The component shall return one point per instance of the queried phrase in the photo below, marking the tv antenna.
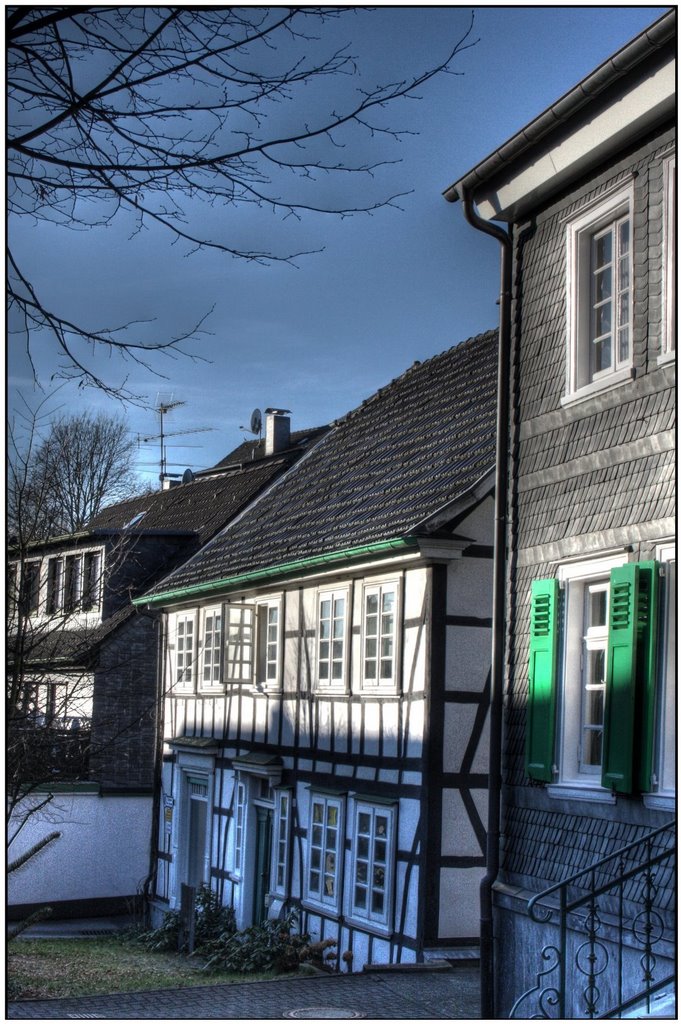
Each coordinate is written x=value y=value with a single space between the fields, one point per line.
x=164 y=405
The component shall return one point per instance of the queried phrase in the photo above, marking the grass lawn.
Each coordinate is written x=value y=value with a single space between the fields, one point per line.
x=53 y=968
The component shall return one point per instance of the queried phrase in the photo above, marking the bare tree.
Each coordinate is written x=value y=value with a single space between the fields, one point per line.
x=146 y=109
x=66 y=471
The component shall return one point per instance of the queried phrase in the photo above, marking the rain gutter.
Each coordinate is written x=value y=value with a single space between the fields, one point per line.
x=498 y=607
x=273 y=571
x=564 y=109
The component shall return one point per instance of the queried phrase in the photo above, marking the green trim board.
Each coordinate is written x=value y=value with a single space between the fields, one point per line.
x=274 y=571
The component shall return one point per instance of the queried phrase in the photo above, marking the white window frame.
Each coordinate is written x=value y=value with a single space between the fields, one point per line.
x=268 y=651
x=209 y=652
x=281 y=841
x=56 y=596
x=238 y=845
x=183 y=685
x=325 y=645
x=54 y=589
x=238 y=623
x=664 y=764
x=193 y=779
x=668 y=346
x=575 y=578
x=380 y=684
x=581 y=382
x=31 y=610
x=96 y=555
x=366 y=853
x=319 y=836
x=263 y=669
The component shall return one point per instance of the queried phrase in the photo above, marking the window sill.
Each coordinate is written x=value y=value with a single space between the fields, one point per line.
x=323 y=689
x=660 y=801
x=322 y=909
x=575 y=791
x=370 y=927
x=598 y=387
x=379 y=691
x=666 y=357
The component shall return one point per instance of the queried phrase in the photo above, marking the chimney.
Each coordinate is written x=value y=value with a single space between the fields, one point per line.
x=277 y=431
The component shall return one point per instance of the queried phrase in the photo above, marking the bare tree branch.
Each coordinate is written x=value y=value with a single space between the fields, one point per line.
x=149 y=110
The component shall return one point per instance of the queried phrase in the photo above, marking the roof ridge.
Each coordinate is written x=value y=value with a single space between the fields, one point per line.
x=417 y=365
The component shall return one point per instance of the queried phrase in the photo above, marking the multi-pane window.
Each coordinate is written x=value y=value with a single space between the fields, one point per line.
x=71 y=586
x=669 y=340
x=282 y=826
x=91 y=573
x=380 y=622
x=239 y=821
x=184 y=649
x=594 y=678
x=73 y=583
x=55 y=567
x=268 y=642
x=595 y=643
x=372 y=863
x=610 y=333
x=331 y=643
x=600 y=294
x=30 y=588
x=212 y=647
x=252 y=642
x=239 y=643
x=324 y=851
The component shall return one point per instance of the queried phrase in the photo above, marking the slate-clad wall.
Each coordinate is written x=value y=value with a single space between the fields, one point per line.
x=126 y=707
x=585 y=478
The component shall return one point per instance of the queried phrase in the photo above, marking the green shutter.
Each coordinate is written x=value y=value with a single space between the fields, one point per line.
x=646 y=667
x=543 y=670
x=630 y=677
x=620 y=680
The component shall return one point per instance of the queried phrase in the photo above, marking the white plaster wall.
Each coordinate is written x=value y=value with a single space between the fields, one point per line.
x=469 y=587
x=458 y=836
x=103 y=850
x=469 y=650
x=460 y=902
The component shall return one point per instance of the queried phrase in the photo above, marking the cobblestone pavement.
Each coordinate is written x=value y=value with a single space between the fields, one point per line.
x=395 y=995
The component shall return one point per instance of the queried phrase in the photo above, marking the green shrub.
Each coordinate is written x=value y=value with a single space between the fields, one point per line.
x=270 y=946
x=211 y=921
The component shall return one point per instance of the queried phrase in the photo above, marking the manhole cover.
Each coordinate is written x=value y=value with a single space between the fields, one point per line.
x=323 y=1013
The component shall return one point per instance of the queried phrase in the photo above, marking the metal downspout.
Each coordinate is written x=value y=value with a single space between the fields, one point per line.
x=149 y=884
x=487 y=974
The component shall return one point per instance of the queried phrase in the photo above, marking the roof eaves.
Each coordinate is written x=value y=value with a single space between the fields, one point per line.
x=642 y=46
x=277 y=571
x=483 y=485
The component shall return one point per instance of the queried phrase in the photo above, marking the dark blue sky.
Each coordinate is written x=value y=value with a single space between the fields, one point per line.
x=387 y=289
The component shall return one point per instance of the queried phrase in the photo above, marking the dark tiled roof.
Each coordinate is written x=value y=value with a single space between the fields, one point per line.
x=57 y=644
x=201 y=507
x=251 y=451
x=407 y=451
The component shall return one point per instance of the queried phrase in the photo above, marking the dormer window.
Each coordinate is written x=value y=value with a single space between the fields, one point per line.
x=73 y=583
x=135 y=520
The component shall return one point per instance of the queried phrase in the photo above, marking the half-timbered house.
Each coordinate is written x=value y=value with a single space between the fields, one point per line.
x=579 y=896
x=84 y=660
x=327 y=670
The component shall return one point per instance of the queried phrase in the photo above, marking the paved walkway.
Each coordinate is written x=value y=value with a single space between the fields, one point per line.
x=451 y=994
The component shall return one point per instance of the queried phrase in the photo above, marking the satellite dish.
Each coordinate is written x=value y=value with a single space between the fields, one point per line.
x=187 y=476
x=256 y=421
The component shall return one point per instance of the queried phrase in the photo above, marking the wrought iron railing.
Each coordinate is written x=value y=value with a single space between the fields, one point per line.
x=613 y=930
